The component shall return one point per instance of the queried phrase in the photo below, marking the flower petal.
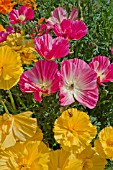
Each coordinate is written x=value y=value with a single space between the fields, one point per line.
x=78 y=82
x=51 y=48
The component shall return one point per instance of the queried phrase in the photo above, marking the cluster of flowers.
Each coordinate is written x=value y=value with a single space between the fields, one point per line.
x=22 y=146
x=76 y=80
x=45 y=78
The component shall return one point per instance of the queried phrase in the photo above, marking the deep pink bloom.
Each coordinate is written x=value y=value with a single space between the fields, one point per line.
x=59 y=14
x=77 y=82
x=101 y=65
x=10 y=29
x=42 y=79
x=3 y=36
x=21 y=15
x=71 y=30
x=50 y=48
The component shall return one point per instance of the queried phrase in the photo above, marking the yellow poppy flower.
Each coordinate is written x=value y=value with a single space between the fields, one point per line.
x=90 y=160
x=20 y=127
x=99 y=149
x=10 y=68
x=106 y=140
x=32 y=155
x=73 y=129
x=59 y=160
x=22 y=46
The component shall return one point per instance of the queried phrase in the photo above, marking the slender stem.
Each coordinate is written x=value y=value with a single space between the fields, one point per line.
x=6 y=110
x=80 y=8
x=12 y=100
x=21 y=102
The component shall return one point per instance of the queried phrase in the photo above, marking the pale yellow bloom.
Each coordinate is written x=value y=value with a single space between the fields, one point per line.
x=31 y=155
x=73 y=129
x=10 y=68
x=106 y=140
x=60 y=160
x=22 y=46
x=20 y=127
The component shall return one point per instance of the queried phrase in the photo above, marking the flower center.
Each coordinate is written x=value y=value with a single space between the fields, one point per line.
x=71 y=86
x=24 y=167
x=22 y=162
x=21 y=17
x=43 y=87
x=101 y=75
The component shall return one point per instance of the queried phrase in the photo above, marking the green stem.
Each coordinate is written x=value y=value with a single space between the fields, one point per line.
x=21 y=102
x=80 y=9
x=6 y=110
x=12 y=100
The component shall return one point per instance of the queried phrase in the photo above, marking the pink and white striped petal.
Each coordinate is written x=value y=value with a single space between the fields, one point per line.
x=74 y=14
x=77 y=82
x=101 y=65
x=41 y=79
x=58 y=15
x=51 y=49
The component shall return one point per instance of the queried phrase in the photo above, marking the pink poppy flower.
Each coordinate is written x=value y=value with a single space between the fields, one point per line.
x=21 y=15
x=50 y=48
x=59 y=14
x=77 y=82
x=42 y=79
x=101 y=65
x=10 y=29
x=71 y=30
